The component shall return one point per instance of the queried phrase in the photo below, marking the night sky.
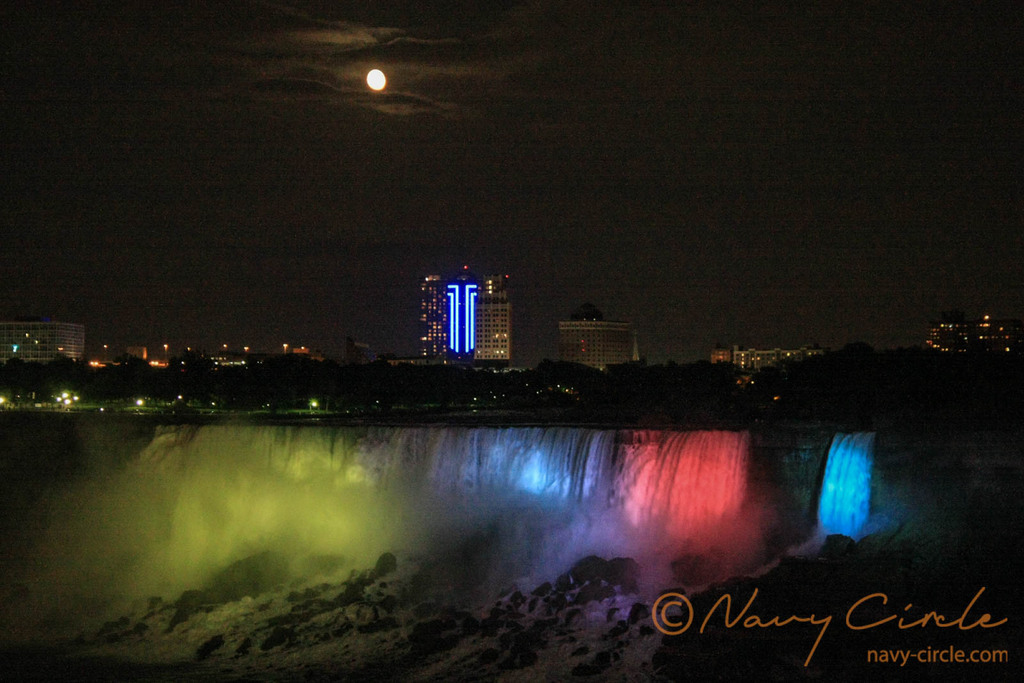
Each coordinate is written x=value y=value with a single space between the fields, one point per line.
x=218 y=172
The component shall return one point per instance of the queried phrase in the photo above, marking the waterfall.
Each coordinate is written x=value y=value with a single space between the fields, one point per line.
x=488 y=504
x=229 y=490
x=685 y=483
x=846 y=488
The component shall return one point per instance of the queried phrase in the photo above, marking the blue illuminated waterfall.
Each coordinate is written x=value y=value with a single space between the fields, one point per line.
x=846 y=489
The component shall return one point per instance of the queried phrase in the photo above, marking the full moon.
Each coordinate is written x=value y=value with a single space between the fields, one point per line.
x=376 y=80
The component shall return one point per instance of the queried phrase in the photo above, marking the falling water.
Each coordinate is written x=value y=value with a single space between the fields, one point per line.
x=685 y=483
x=496 y=503
x=846 y=489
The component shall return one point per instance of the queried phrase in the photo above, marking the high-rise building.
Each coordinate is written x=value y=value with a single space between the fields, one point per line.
x=41 y=340
x=954 y=333
x=463 y=292
x=493 y=323
x=433 y=317
x=589 y=339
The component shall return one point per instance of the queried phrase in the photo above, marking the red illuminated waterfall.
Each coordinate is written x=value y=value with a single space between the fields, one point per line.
x=684 y=482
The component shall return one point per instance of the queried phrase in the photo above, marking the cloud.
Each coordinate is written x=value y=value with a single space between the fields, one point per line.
x=343 y=37
x=330 y=60
x=405 y=104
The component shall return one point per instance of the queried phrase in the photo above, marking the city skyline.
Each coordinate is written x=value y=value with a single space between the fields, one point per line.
x=771 y=176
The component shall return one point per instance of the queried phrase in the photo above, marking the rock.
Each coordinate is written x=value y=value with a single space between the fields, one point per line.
x=564 y=582
x=518 y=660
x=489 y=656
x=837 y=546
x=183 y=611
x=426 y=630
x=279 y=636
x=542 y=625
x=542 y=590
x=428 y=637
x=209 y=647
x=623 y=572
x=249 y=576
x=528 y=640
x=671 y=664
x=361 y=613
x=618 y=629
x=470 y=626
x=385 y=624
x=489 y=627
x=305 y=596
x=580 y=651
x=695 y=570
x=513 y=626
x=386 y=564
x=587 y=670
x=592 y=592
x=425 y=609
x=590 y=568
x=638 y=611
x=389 y=603
x=114 y=626
x=243 y=647
x=353 y=593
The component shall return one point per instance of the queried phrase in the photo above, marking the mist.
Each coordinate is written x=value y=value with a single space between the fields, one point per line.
x=479 y=510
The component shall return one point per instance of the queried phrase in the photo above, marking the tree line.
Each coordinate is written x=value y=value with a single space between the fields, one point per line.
x=855 y=386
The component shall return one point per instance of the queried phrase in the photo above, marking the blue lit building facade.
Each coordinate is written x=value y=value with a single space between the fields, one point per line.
x=465 y=319
x=462 y=292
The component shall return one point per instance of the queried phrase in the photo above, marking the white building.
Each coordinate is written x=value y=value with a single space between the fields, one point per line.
x=756 y=359
x=587 y=338
x=493 y=323
x=41 y=340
